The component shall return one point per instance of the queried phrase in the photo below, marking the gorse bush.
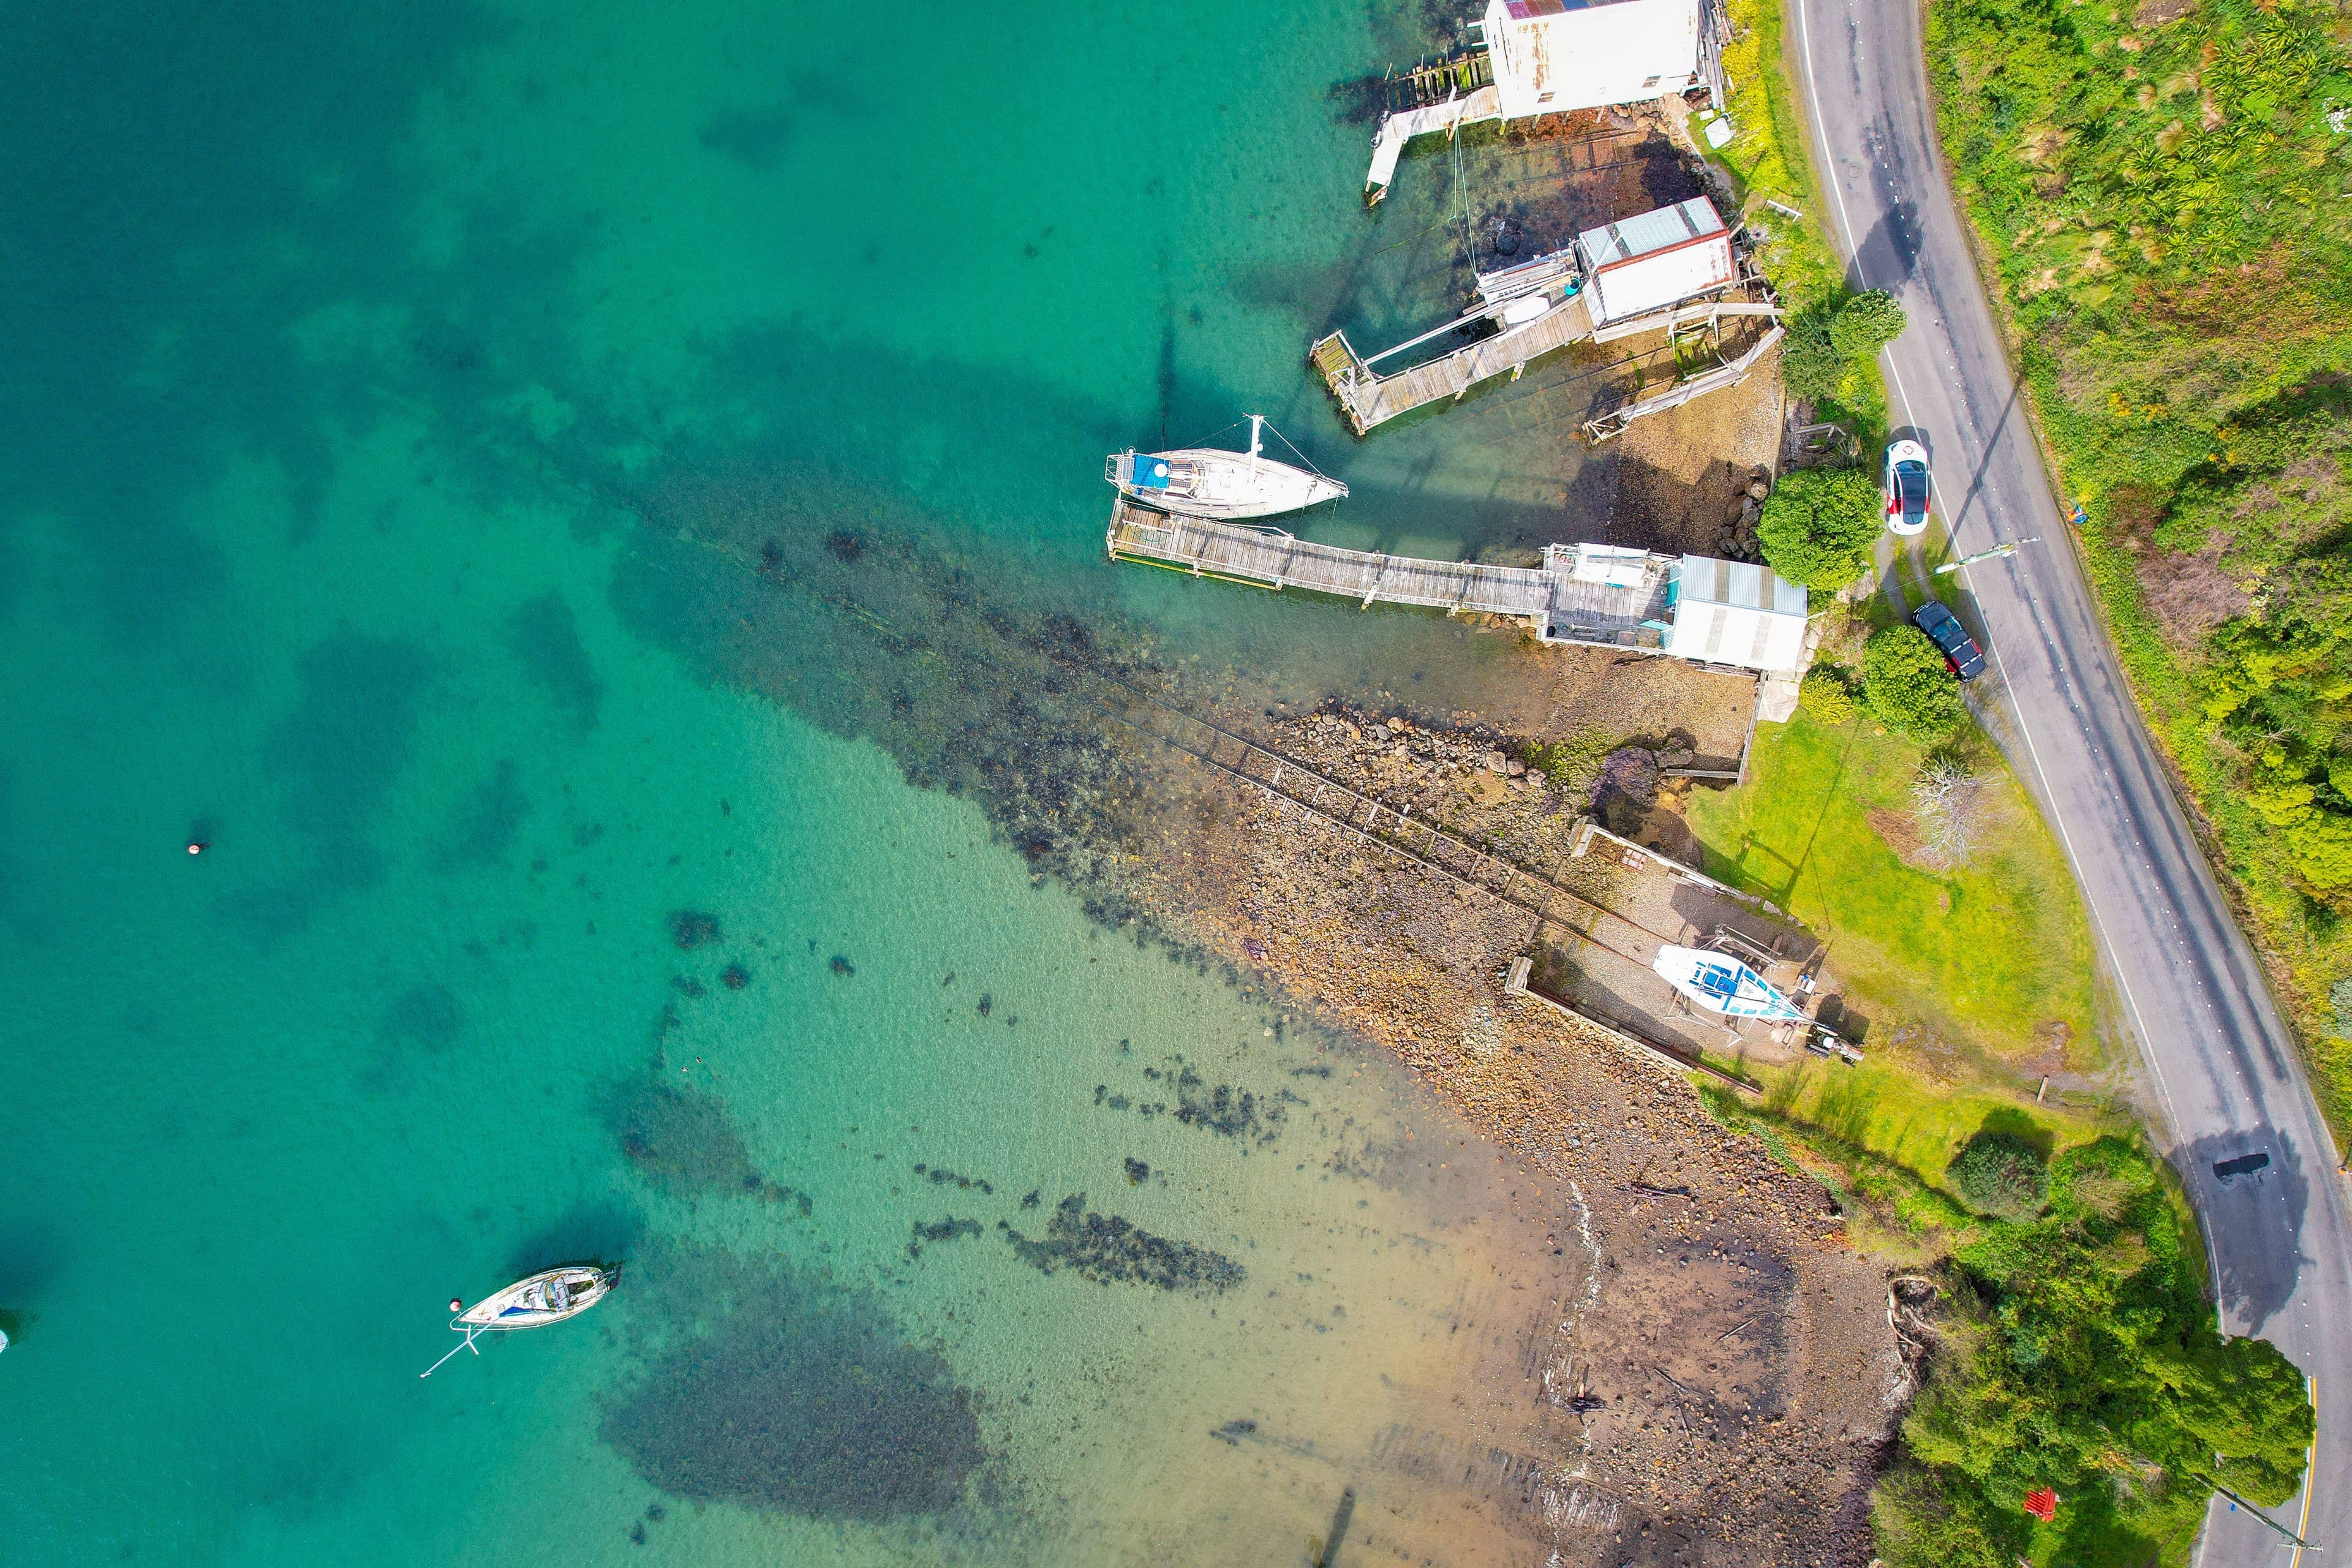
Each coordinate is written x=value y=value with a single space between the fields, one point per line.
x=2083 y=1356
x=1811 y=366
x=1866 y=323
x=1905 y=685
x=2002 y=1175
x=2158 y=189
x=1828 y=343
x=1818 y=526
x=1824 y=694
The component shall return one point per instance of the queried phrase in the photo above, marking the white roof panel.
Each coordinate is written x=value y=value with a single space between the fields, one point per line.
x=1648 y=232
x=1730 y=612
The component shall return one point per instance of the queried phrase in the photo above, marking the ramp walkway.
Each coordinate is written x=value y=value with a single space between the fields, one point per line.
x=1370 y=398
x=1448 y=115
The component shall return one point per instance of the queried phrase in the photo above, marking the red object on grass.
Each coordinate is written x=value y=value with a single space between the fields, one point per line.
x=2042 y=1504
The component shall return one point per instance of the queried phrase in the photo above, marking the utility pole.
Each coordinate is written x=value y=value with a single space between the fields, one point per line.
x=1995 y=554
x=2266 y=1519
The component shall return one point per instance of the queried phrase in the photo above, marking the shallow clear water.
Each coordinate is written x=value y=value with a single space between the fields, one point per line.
x=369 y=384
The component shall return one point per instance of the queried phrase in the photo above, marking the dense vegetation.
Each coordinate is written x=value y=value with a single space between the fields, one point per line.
x=1907 y=686
x=1833 y=340
x=2002 y=1175
x=2161 y=189
x=1818 y=524
x=2079 y=1354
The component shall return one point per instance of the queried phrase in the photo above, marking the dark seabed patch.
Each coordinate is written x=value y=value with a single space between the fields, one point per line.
x=681 y=1140
x=425 y=1017
x=545 y=638
x=338 y=753
x=692 y=928
x=791 y=1393
x=485 y=824
x=1111 y=1249
x=422 y=1023
x=599 y=1231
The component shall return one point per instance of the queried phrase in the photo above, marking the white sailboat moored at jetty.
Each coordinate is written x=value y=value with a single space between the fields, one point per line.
x=547 y=1297
x=1209 y=481
x=1721 y=984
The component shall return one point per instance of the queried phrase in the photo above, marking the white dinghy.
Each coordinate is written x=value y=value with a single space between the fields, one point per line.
x=547 y=1297
x=1209 y=481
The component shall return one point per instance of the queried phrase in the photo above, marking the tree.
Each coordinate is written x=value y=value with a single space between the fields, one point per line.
x=1953 y=809
x=1824 y=694
x=1819 y=525
x=2001 y=1174
x=1905 y=685
x=1811 y=366
x=2083 y=1356
x=1866 y=323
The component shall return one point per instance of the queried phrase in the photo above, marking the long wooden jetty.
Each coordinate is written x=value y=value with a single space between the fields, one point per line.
x=1557 y=602
x=1370 y=398
x=1269 y=558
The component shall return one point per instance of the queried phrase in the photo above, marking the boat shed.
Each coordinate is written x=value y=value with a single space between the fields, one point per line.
x=1730 y=612
x=1655 y=259
x=1553 y=55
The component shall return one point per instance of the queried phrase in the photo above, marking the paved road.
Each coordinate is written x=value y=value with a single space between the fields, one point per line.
x=2225 y=1071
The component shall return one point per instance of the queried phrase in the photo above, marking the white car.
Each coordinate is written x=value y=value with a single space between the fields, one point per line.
x=1906 y=488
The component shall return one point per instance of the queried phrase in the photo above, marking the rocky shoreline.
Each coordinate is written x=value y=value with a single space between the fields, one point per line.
x=1725 y=1393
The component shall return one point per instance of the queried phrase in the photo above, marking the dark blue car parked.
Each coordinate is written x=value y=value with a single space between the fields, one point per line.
x=1961 y=654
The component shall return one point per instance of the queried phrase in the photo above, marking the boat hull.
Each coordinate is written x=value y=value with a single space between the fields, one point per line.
x=1721 y=984
x=1205 y=481
x=549 y=1297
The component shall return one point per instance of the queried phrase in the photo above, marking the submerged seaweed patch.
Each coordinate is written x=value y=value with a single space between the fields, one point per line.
x=1111 y=1249
x=1221 y=1108
x=692 y=928
x=681 y=1141
x=948 y=1229
x=796 y=1394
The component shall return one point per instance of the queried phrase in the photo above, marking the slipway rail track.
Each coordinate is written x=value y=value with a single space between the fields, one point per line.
x=2227 y=1078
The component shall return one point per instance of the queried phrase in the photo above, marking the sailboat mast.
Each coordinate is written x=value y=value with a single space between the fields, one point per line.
x=1257 y=440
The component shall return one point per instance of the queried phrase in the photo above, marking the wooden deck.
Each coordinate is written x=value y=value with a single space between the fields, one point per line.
x=1370 y=398
x=1270 y=558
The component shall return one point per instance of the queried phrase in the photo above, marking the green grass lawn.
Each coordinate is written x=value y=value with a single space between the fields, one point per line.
x=1997 y=951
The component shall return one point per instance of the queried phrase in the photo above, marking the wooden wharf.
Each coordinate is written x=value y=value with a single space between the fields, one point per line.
x=1370 y=398
x=1285 y=782
x=1433 y=82
x=1269 y=558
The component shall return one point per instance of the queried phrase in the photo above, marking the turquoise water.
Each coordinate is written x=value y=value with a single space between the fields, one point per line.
x=396 y=408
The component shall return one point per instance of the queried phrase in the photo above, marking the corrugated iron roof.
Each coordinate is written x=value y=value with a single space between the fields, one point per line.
x=1645 y=233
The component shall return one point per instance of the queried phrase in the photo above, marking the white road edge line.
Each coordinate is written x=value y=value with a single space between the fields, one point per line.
x=2147 y=1052
x=2115 y=964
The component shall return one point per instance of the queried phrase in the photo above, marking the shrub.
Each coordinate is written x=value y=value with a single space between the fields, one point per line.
x=2002 y=1175
x=2080 y=1354
x=1819 y=525
x=1905 y=685
x=1866 y=323
x=1810 y=365
x=1824 y=694
x=2321 y=846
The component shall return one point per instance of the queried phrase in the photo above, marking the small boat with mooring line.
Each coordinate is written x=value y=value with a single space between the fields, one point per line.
x=547 y=1297
x=1209 y=481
